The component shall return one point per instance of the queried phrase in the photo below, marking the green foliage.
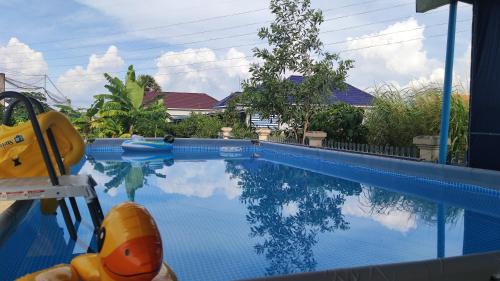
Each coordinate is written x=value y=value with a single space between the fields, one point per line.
x=196 y=125
x=399 y=115
x=122 y=112
x=135 y=92
x=341 y=122
x=20 y=115
x=84 y=120
x=294 y=47
x=231 y=117
x=149 y=83
x=152 y=121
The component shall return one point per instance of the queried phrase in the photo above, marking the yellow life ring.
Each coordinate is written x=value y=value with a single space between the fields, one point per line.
x=20 y=155
x=130 y=249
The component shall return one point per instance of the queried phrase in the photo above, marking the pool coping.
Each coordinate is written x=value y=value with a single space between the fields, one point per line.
x=427 y=170
x=461 y=268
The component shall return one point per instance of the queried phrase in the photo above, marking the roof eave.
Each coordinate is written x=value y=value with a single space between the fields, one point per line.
x=427 y=5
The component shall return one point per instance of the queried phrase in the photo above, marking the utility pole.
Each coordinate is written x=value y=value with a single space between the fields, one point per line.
x=2 y=87
x=2 y=82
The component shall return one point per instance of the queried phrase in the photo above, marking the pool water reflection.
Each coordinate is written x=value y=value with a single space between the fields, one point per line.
x=234 y=217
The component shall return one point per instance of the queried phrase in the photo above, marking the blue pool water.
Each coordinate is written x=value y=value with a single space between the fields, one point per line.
x=231 y=215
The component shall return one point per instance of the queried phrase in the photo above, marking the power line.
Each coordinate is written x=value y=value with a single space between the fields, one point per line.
x=326 y=44
x=246 y=65
x=33 y=87
x=193 y=21
x=235 y=35
x=243 y=45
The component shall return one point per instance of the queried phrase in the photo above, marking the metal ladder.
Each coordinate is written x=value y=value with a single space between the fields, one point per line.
x=62 y=187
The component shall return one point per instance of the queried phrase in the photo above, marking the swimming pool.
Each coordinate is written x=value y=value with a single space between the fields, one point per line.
x=248 y=211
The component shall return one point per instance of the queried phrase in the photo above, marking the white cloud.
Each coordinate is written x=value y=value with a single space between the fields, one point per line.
x=461 y=73
x=201 y=70
x=391 y=218
x=436 y=78
x=81 y=84
x=196 y=179
x=398 y=62
x=18 y=58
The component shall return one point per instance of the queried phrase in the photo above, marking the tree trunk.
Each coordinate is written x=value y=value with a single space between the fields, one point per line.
x=306 y=126
x=131 y=129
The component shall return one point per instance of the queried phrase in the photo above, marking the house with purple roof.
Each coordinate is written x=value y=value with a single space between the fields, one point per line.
x=351 y=95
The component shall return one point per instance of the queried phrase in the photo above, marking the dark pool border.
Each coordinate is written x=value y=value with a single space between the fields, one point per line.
x=463 y=268
x=12 y=217
x=432 y=171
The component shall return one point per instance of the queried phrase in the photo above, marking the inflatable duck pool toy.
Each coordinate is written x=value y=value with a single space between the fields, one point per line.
x=130 y=249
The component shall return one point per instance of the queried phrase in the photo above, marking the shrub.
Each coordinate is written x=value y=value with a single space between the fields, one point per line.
x=398 y=115
x=196 y=125
x=341 y=122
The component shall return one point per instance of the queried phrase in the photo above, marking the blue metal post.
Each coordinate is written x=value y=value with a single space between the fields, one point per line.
x=448 y=83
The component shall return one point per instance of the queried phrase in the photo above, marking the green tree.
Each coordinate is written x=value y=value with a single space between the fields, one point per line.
x=231 y=117
x=294 y=47
x=149 y=83
x=341 y=122
x=83 y=119
x=151 y=121
x=197 y=125
x=20 y=115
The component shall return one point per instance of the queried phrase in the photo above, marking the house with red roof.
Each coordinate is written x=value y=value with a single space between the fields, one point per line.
x=180 y=104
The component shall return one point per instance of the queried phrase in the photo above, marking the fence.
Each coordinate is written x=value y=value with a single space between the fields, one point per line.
x=411 y=153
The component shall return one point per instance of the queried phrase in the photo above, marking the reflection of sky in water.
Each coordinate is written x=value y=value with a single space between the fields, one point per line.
x=226 y=219
x=197 y=179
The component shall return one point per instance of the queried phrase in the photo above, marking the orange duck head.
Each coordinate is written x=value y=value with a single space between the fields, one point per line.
x=130 y=246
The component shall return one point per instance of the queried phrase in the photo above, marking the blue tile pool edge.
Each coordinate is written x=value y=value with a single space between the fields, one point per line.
x=180 y=145
x=431 y=171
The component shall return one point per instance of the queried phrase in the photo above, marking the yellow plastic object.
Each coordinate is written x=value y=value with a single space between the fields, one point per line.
x=20 y=155
x=130 y=250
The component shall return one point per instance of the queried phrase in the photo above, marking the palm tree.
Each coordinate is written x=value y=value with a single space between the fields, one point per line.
x=149 y=83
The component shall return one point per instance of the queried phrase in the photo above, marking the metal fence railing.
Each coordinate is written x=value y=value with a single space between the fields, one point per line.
x=400 y=152
x=404 y=152
x=381 y=150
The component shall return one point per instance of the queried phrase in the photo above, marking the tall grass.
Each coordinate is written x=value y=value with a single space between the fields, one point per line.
x=399 y=115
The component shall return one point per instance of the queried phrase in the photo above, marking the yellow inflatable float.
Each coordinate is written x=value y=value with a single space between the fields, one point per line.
x=20 y=154
x=130 y=249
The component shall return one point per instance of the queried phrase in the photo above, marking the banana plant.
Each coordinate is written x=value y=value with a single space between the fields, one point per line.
x=123 y=103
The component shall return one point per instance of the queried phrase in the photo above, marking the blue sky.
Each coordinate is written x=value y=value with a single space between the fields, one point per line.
x=205 y=46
